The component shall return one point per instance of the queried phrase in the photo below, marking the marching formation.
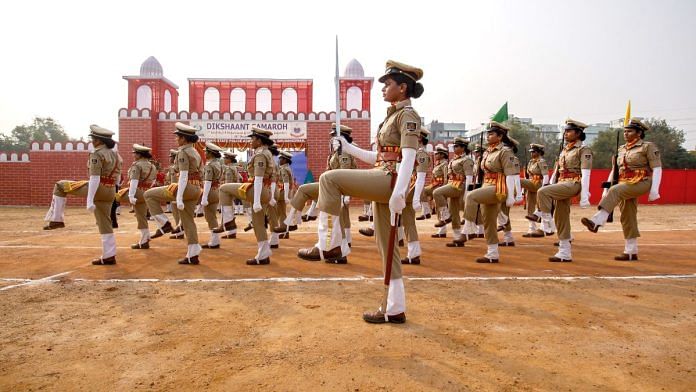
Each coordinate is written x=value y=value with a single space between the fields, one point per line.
x=472 y=189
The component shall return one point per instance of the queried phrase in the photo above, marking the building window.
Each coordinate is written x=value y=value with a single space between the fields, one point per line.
x=211 y=100
x=263 y=100
x=238 y=100
x=289 y=100
x=354 y=98
x=144 y=97
x=167 y=101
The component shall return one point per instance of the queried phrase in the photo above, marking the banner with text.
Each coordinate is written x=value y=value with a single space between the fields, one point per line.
x=209 y=130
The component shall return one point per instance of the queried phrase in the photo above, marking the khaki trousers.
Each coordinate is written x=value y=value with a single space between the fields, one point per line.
x=562 y=193
x=506 y=210
x=281 y=207
x=210 y=211
x=450 y=196
x=229 y=192
x=408 y=218
x=490 y=206
x=140 y=208
x=626 y=197
x=371 y=184
x=102 y=201
x=310 y=191
x=532 y=190
x=154 y=198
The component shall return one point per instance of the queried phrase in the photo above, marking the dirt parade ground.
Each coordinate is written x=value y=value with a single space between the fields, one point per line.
x=148 y=323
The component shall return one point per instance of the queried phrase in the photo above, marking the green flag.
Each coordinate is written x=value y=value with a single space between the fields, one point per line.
x=502 y=114
x=309 y=178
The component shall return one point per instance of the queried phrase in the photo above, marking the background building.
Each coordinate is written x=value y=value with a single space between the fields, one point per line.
x=441 y=131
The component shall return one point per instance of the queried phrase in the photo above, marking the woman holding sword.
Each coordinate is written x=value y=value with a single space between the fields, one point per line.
x=386 y=184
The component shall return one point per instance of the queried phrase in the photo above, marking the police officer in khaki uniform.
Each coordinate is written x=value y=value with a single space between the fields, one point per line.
x=498 y=163
x=413 y=201
x=571 y=177
x=256 y=190
x=438 y=179
x=504 y=224
x=230 y=175
x=424 y=165
x=333 y=240
x=172 y=177
x=387 y=183
x=212 y=177
x=284 y=193
x=460 y=174
x=104 y=167
x=537 y=175
x=272 y=209
x=186 y=192
x=141 y=174
x=640 y=172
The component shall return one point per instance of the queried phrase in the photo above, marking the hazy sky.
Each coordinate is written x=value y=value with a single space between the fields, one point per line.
x=548 y=59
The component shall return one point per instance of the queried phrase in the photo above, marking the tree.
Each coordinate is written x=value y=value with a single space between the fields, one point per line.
x=525 y=134
x=668 y=139
x=604 y=147
x=41 y=129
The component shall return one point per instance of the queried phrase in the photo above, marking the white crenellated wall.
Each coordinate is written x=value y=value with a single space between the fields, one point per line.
x=259 y=116
x=78 y=146
x=20 y=157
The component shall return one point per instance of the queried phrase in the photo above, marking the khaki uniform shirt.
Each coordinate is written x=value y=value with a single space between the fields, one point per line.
x=500 y=159
x=460 y=167
x=144 y=171
x=213 y=172
x=422 y=162
x=172 y=174
x=262 y=164
x=188 y=159
x=230 y=174
x=401 y=129
x=439 y=173
x=642 y=155
x=537 y=169
x=573 y=160
x=343 y=161
x=106 y=163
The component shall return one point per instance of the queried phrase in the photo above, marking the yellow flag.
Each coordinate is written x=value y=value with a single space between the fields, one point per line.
x=627 y=118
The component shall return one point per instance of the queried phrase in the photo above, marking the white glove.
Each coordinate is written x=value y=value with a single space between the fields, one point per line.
x=518 y=189
x=655 y=187
x=258 y=188
x=510 y=182
x=286 y=192
x=605 y=192
x=418 y=190
x=585 y=191
x=91 y=191
x=206 y=191
x=545 y=180
x=183 y=181
x=346 y=201
x=364 y=155
x=397 y=201
x=133 y=187
x=273 y=201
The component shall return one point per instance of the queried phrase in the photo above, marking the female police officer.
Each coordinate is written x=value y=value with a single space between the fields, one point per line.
x=386 y=184
x=640 y=172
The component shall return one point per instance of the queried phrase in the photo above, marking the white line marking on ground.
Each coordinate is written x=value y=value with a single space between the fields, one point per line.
x=518 y=245
x=51 y=279
x=37 y=281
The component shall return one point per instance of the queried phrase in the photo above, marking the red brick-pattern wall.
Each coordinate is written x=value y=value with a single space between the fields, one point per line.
x=14 y=180
x=318 y=142
x=47 y=167
x=131 y=131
